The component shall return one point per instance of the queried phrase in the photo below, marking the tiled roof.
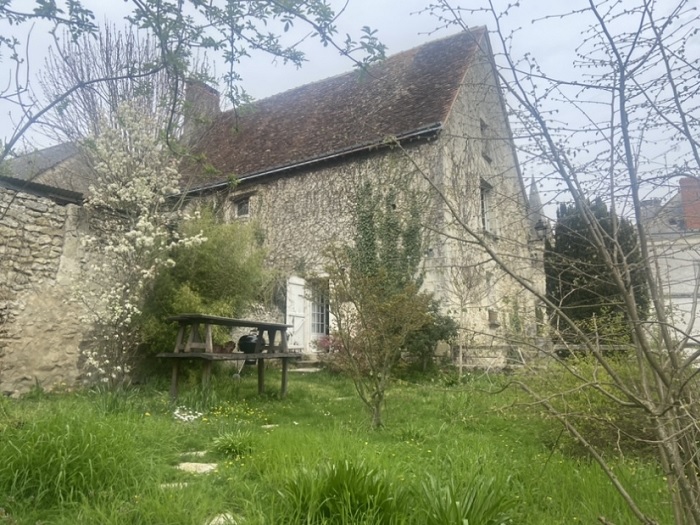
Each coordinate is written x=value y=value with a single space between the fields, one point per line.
x=404 y=94
x=33 y=164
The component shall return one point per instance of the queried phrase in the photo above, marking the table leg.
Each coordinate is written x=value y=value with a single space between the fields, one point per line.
x=209 y=341
x=206 y=372
x=285 y=365
x=180 y=337
x=261 y=376
x=283 y=342
x=272 y=334
x=194 y=337
x=174 y=379
x=259 y=341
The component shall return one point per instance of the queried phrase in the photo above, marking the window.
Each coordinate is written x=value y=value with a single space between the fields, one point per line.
x=242 y=207
x=319 y=311
x=486 y=205
x=486 y=141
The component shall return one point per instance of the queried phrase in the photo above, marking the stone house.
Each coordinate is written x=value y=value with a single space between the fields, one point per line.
x=430 y=120
x=674 y=231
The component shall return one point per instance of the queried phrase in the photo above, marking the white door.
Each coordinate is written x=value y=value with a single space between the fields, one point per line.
x=296 y=313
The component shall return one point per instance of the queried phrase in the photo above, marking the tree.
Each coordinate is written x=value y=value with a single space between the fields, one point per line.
x=134 y=179
x=621 y=123
x=179 y=28
x=375 y=291
x=578 y=280
x=124 y=59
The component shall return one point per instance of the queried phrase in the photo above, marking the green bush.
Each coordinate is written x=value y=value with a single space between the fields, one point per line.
x=609 y=426
x=221 y=276
x=421 y=343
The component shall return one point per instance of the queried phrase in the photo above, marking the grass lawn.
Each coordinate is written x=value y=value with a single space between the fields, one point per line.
x=110 y=458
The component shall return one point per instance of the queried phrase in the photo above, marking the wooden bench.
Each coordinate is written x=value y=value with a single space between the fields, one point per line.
x=195 y=333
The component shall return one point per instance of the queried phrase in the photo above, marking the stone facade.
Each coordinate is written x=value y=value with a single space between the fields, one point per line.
x=40 y=259
x=470 y=177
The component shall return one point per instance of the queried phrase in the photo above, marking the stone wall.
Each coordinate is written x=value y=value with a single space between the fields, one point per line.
x=487 y=204
x=301 y=214
x=40 y=257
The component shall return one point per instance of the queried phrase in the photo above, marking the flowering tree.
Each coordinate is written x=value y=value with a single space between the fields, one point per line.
x=135 y=177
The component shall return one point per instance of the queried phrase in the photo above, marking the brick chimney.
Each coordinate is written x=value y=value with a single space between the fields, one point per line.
x=200 y=110
x=690 y=201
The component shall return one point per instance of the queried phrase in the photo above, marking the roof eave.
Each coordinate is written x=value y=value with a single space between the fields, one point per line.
x=58 y=195
x=424 y=132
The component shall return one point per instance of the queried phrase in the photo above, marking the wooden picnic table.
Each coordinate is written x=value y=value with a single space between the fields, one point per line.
x=194 y=341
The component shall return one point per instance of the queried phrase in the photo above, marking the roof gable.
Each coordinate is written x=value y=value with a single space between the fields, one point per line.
x=32 y=165
x=405 y=94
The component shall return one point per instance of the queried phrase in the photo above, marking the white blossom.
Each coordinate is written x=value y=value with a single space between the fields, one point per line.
x=135 y=174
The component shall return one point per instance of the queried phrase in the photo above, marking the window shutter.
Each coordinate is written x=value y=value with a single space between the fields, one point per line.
x=296 y=312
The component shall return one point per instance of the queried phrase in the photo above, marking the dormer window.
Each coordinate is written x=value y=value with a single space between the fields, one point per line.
x=242 y=207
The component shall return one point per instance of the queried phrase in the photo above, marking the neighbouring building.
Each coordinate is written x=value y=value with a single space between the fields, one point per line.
x=674 y=231
x=431 y=119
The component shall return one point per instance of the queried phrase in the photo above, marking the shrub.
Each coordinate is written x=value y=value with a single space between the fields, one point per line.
x=342 y=493
x=480 y=501
x=606 y=424
x=222 y=276
x=421 y=344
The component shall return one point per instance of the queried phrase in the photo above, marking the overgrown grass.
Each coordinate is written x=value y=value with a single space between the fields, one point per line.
x=449 y=452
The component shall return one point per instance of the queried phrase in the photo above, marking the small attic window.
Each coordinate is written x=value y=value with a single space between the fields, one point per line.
x=486 y=141
x=242 y=207
x=488 y=222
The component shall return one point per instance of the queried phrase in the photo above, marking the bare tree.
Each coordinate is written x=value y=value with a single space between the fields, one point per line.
x=125 y=60
x=620 y=124
x=179 y=28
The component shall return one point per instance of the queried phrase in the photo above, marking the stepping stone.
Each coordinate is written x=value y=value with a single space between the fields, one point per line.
x=197 y=468
x=196 y=453
x=222 y=519
x=267 y=427
x=173 y=485
x=304 y=370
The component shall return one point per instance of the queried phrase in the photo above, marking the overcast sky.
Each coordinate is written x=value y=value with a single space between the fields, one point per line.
x=398 y=23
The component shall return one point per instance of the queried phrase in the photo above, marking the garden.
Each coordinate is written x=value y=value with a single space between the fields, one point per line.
x=451 y=451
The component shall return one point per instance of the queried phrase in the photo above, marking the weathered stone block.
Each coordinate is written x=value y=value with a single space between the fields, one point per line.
x=32 y=228
x=36 y=205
